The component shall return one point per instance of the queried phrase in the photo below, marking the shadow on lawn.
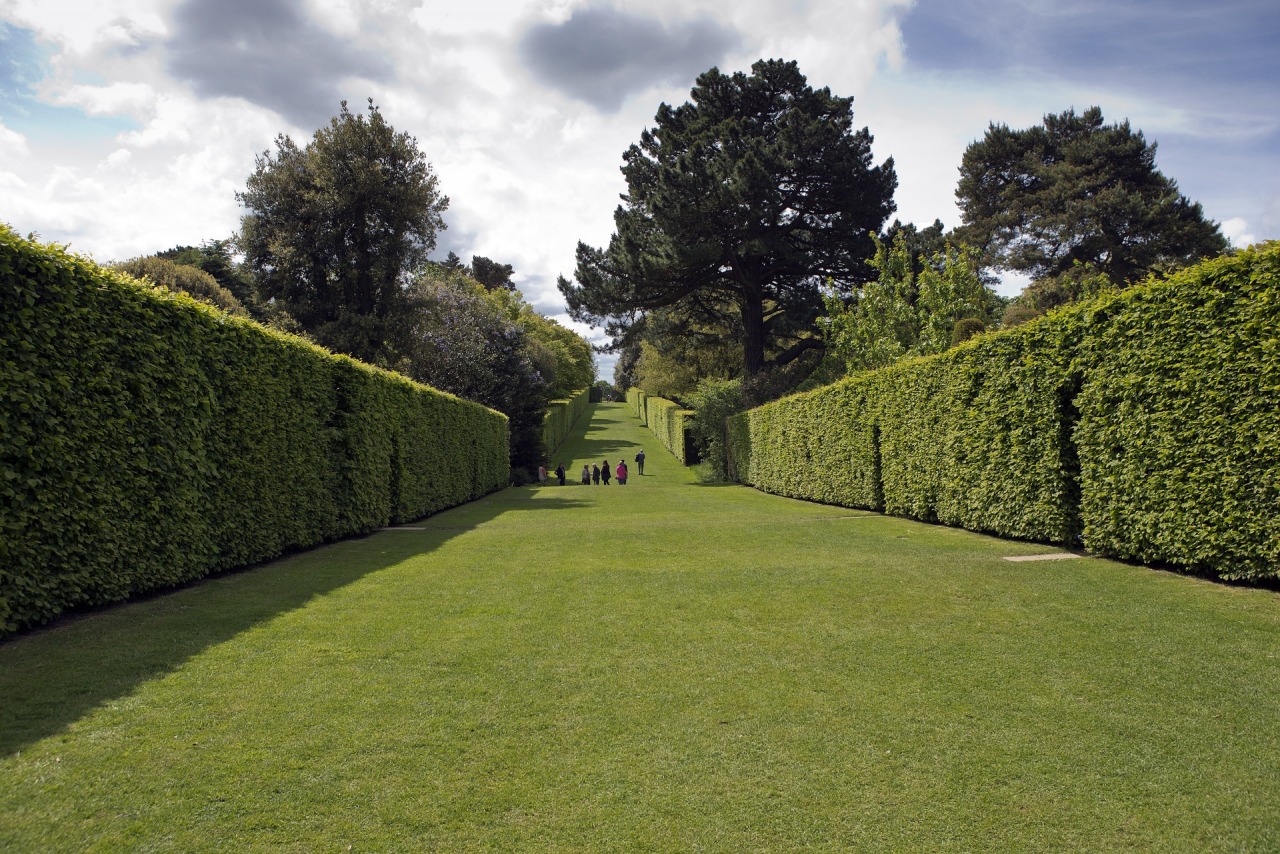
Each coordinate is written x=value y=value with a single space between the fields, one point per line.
x=580 y=446
x=53 y=676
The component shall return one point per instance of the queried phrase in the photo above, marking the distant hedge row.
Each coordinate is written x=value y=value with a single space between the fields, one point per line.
x=669 y=421
x=1145 y=425
x=636 y=399
x=560 y=418
x=147 y=440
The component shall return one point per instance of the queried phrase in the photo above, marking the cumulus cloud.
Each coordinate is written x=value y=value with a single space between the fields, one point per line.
x=13 y=145
x=269 y=53
x=110 y=100
x=1197 y=53
x=117 y=158
x=602 y=55
x=524 y=107
x=1238 y=232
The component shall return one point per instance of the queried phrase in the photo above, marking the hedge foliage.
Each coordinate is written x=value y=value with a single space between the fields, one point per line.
x=1179 y=431
x=560 y=417
x=969 y=438
x=636 y=400
x=147 y=439
x=1145 y=425
x=669 y=421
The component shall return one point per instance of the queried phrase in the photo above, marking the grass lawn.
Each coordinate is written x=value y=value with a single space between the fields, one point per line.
x=659 y=666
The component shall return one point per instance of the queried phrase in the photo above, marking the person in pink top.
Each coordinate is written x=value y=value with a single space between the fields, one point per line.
x=622 y=473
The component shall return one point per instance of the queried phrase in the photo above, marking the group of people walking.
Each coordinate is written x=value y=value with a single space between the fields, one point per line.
x=595 y=473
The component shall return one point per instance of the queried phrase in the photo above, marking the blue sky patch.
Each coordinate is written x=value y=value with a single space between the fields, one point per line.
x=25 y=64
x=1213 y=52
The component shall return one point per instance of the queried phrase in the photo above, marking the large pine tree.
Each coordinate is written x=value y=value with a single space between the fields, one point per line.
x=739 y=204
x=1075 y=191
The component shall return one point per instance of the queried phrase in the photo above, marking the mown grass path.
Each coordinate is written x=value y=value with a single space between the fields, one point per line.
x=662 y=666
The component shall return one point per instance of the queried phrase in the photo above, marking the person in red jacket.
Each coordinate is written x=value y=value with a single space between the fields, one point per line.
x=622 y=473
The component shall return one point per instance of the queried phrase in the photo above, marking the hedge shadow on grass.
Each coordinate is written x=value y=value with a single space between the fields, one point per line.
x=52 y=676
x=599 y=421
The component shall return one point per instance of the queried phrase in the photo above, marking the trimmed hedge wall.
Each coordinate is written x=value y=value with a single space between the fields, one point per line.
x=1145 y=425
x=560 y=417
x=636 y=400
x=669 y=421
x=970 y=438
x=147 y=440
x=1179 y=431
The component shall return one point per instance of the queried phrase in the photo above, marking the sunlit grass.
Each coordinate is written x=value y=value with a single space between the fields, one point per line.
x=660 y=666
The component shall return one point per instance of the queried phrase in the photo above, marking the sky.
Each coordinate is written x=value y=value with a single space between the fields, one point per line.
x=128 y=126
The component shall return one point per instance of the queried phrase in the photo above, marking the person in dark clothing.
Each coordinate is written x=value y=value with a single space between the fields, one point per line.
x=604 y=472
x=560 y=473
x=640 y=462
x=595 y=474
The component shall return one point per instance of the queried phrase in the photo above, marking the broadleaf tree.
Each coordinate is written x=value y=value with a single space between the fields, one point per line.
x=908 y=313
x=489 y=345
x=465 y=342
x=336 y=230
x=739 y=204
x=1074 y=191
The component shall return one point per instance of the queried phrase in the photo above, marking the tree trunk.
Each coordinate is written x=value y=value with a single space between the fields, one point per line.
x=752 y=306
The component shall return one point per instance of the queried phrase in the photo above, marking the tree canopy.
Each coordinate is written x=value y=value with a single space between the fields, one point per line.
x=336 y=230
x=492 y=347
x=184 y=278
x=1076 y=192
x=464 y=342
x=909 y=313
x=491 y=274
x=739 y=204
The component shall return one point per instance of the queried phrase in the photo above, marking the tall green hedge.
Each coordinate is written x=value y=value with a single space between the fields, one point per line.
x=147 y=440
x=636 y=400
x=669 y=422
x=560 y=417
x=1146 y=425
x=1179 y=431
x=970 y=438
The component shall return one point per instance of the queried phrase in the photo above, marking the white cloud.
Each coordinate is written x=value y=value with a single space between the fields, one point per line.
x=84 y=27
x=1238 y=232
x=136 y=99
x=466 y=19
x=117 y=158
x=13 y=145
x=13 y=183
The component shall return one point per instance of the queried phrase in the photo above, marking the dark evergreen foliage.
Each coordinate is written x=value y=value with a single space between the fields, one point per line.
x=1074 y=191
x=739 y=204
